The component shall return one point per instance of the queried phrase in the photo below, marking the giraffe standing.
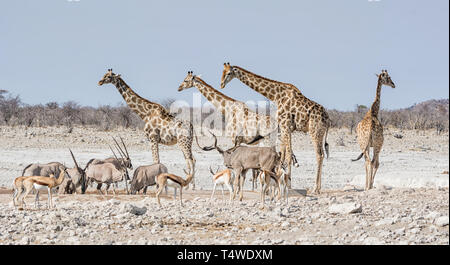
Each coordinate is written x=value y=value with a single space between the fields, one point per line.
x=242 y=124
x=295 y=112
x=160 y=126
x=370 y=132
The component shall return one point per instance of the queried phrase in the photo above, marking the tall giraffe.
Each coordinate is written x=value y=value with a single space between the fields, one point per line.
x=295 y=112
x=160 y=126
x=242 y=124
x=370 y=132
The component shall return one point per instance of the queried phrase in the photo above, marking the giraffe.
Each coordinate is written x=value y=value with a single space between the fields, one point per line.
x=160 y=126
x=295 y=112
x=242 y=124
x=370 y=132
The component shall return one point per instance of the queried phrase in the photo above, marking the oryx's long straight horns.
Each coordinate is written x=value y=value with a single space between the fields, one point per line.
x=124 y=146
x=74 y=160
x=113 y=153
x=123 y=154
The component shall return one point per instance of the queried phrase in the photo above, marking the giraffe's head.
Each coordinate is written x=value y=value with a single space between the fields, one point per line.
x=109 y=77
x=188 y=82
x=385 y=79
x=229 y=72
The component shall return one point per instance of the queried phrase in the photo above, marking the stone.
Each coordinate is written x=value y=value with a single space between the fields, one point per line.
x=285 y=224
x=345 y=208
x=432 y=215
x=385 y=221
x=441 y=221
x=249 y=229
x=130 y=208
x=277 y=241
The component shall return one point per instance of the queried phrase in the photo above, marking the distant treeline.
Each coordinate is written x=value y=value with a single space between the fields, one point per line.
x=431 y=114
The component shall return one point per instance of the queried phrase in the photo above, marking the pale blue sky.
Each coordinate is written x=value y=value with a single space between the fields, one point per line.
x=58 y=50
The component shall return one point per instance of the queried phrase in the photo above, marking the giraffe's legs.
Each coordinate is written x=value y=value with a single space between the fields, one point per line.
x=319 y=158
x=185 y=144
x=368 y=168
x=375 y=165
x=286 y=150
x=317 y=133
x=155 y=149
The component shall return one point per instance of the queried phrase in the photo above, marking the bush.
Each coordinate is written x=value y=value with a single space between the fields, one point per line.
x=432 y=114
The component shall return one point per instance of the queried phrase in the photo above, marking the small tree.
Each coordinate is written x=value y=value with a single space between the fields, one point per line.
x=9 y=106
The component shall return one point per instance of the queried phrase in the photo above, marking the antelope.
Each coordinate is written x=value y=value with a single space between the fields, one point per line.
x=77 y=178
x=119 y=163
x=144 y=176
x=105 y=173
x=44 y=170
x=166 y=179
x=223 y=177
x=40 y=183
x=267 y=179
x=18 y=187
x=242 y=158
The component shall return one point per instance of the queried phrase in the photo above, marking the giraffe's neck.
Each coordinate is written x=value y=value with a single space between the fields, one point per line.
x=131 y=98
x=273 y=90
x=375 y=108
x=219 y=100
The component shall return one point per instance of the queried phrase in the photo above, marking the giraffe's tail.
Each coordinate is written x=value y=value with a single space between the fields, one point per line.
x=358 y=158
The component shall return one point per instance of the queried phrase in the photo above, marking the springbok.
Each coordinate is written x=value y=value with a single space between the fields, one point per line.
x=40 y=183
x=273 y=180
x=166 y=179
x=224 y=177
x=18 y=187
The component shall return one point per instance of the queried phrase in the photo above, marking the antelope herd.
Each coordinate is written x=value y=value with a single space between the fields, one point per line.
x=112 y=170
x=272 y=169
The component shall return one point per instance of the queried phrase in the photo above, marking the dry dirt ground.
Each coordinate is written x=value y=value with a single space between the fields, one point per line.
x=409 y=205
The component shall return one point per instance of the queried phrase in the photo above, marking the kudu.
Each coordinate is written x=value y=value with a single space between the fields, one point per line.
x=242 y=158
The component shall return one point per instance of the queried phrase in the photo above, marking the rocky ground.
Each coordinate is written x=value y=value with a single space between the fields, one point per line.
x=380 y=216
x=409 y=205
